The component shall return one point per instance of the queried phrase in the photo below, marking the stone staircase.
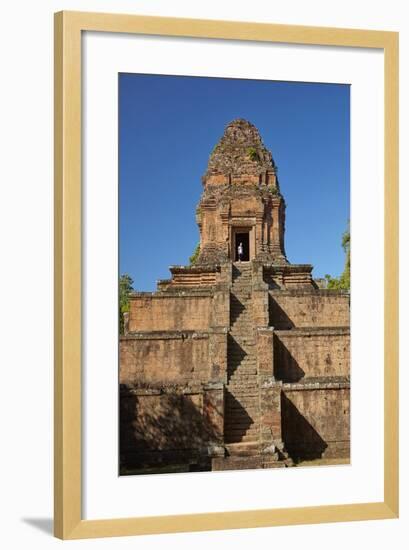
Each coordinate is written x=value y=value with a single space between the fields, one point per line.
x=242 y=408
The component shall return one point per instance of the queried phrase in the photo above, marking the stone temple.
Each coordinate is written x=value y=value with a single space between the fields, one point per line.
x=236 y=364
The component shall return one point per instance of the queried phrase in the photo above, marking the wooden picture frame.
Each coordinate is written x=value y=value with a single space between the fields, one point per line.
x=68 y=522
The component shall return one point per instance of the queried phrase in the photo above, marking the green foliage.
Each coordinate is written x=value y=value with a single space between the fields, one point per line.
x=273 y=189
x=215 y=148
x=343 y=282
x=125 y=288
x=252 y=153
x=193 y=258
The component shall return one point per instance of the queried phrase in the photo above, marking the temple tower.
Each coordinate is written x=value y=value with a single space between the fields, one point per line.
x=241 y=201
x=234 y=365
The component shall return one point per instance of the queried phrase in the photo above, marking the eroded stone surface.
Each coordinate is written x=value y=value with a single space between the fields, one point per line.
x=235 y=365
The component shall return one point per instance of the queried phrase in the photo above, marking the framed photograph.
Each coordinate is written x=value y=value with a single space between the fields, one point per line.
x=226 y=259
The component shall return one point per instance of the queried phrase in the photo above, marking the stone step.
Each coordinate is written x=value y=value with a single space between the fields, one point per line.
x=241 y=421
x=246 y=357
x=237 y=434
x=241 y=318
x=242 y=414
x=247 y=371
x=242 y=449
x=243 y=358
x=247 y=368
x=241 y=287
x=238 y=383
x=244 y=318
x=245 y=362
x=236 y=463
x=244 y=397
x=234 y=415
x=242 y=355
x=241 y=439
x=243 y=402
x=241 y=373
x=249 y=408
x=242 y=391
x=240 y=436
x=236 y=430
x=242 y=381
x=252 y=409
x=241 y=293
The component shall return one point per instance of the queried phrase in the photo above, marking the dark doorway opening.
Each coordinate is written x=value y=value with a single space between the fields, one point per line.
x=242 y=238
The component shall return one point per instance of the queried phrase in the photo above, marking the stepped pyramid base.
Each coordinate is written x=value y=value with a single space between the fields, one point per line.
x=253 y=462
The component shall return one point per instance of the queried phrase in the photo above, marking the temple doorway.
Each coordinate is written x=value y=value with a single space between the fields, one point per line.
x=242 y=238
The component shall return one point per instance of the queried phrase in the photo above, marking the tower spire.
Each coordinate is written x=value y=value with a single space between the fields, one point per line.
x=241 y=200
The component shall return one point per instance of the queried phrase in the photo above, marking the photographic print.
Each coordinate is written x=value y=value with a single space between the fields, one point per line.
x=234 y=274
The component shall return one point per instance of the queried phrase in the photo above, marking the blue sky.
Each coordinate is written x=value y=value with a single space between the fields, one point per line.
x=168 y=126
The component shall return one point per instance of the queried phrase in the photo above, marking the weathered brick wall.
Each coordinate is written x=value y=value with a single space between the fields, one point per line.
x=316 y=422
x=164 y=359
x=311 y=353
x=158 y=312
x=315 y=308
x=168 y=427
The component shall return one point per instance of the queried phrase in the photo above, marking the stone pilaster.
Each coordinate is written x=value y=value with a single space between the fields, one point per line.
x=270 y=396
x=213 y=413
x=265 y=353
x=270 y=417
x=221 y=298
x=259 y=296
x=218 y=355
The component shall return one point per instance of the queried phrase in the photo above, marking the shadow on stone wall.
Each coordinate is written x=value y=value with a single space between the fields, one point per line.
x=237 y=420
x=268 y=279
x=286 y=367
x=235 y=355
x=301 y=440
x=278 y=318
x=162 y=429
x=236 y=308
